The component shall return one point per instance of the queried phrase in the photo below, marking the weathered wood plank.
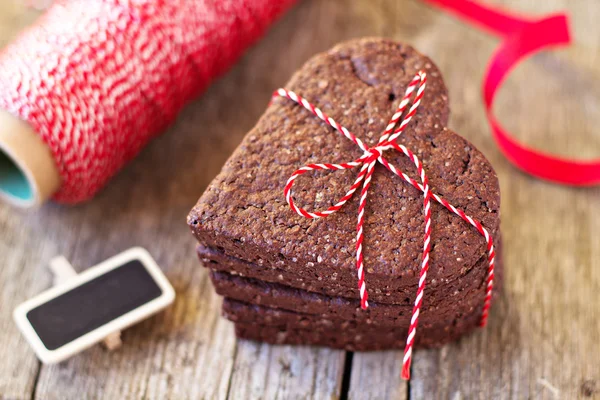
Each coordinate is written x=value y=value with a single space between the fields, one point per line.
x=376 y=375
x=185 y=352
x=23 y=273
x=543 y=338
x=266 y=372
x=23 y=254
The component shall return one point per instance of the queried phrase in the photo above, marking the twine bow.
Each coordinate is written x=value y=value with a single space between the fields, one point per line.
x=367 y=163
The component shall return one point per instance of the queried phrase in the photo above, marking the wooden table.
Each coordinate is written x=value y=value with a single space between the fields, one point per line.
x=544 y=337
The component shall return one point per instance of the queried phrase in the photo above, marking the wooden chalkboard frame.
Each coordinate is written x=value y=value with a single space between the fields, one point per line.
x=53 y=355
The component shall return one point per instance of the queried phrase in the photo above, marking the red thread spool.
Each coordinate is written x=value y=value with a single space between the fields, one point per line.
x=97 y=79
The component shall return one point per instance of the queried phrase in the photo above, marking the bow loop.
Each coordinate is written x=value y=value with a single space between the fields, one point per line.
x=316 y=167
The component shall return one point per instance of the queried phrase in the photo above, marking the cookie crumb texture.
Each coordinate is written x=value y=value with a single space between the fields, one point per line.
x=246 y=229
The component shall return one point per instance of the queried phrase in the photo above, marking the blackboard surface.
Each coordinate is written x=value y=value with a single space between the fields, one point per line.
x=93 y=304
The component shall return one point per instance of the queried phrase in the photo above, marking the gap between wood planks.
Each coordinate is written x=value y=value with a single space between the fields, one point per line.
x=347 y=375
x=36 y=379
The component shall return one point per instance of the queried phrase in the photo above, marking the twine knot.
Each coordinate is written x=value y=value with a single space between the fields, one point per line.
x=375 y=153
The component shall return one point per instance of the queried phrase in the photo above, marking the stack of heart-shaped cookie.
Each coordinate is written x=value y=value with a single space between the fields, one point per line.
x=290 y=279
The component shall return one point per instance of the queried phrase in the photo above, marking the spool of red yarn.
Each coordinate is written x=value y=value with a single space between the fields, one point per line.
x=93 y=81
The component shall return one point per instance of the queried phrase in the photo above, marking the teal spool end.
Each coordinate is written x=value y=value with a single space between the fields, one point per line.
x=13 y=181
x=28 y=173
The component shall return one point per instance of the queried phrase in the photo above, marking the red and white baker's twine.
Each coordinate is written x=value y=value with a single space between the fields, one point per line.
x=367 y=162
x=97 y=79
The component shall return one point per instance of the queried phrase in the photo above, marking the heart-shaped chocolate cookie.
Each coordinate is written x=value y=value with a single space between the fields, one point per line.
x=245 y=226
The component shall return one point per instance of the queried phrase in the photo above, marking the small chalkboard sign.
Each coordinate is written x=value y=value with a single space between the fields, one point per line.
x=89 y=307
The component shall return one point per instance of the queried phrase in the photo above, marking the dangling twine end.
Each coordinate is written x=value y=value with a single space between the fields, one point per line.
x=484 y=319
x=406 y=372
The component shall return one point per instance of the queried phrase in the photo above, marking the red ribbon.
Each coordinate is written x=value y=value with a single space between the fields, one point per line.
x=521 y=38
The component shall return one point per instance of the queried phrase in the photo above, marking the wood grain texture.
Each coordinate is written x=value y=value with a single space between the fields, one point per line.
x=263 y=371
x=543 y=341
x=376 y=375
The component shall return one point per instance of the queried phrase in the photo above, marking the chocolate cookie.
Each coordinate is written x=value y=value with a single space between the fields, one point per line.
x=243 y=213
x=453 y=304
x=330 y=286
x=358 y=339
x=245 y=313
